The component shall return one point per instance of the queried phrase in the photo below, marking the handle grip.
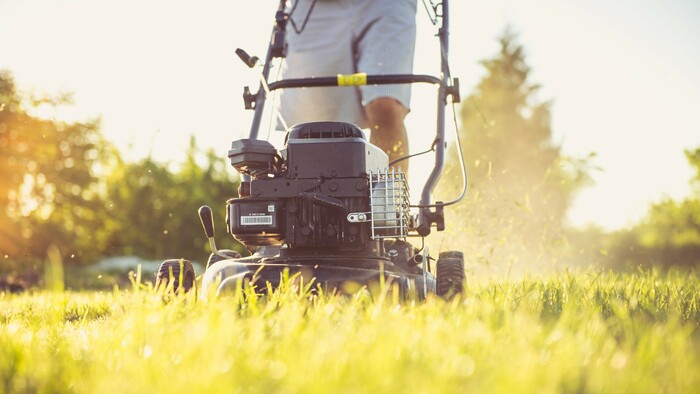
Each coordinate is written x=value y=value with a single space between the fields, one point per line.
x=205 y=216
x=250 y=61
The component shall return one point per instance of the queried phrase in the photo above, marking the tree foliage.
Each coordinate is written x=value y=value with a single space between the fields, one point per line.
x=160 y=205
x=669 y=234
x=49 y=185
x=63 y=184
x=520 y=184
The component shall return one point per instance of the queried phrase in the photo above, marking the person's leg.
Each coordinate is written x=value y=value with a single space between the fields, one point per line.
x=385 y=116
x=384 y=43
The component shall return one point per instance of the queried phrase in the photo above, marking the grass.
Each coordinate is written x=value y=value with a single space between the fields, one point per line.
x=565 y=333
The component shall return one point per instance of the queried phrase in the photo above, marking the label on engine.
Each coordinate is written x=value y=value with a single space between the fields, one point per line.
x=256 y=220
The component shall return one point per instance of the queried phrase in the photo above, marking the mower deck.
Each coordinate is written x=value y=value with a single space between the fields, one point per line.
x=331 y=273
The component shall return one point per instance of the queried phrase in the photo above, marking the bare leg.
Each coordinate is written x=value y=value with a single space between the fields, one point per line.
x=385 y=116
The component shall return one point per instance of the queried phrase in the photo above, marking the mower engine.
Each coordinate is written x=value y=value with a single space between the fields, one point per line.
x=327 y=189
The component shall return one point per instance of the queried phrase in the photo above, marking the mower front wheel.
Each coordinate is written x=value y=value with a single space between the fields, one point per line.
x=450 y=274
x=180 y=271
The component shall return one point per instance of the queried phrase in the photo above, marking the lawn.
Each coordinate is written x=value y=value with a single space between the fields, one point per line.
x=594 y=332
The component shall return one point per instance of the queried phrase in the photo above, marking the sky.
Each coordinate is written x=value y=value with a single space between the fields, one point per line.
x=622 y=77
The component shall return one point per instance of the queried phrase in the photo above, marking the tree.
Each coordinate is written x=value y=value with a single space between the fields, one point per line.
x=154 y=209
x=520 y=184
x=63 y=184
x=669 y=234
x=49 y=180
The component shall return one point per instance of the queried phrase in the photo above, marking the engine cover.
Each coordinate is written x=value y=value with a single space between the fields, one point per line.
x=331 y=150
x=324 y=177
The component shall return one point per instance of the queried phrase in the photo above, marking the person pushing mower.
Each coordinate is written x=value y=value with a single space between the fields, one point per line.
x=332 y=37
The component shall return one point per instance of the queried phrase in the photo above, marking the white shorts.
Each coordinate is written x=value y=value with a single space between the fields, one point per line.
x=346 y=37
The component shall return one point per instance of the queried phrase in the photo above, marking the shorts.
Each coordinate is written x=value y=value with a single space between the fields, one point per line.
x=346 y=37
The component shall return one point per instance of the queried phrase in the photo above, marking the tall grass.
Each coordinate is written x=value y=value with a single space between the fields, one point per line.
x=565 y=333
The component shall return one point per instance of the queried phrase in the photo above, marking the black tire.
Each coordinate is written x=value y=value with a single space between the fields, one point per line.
x=213 y=258
x=450 y=275
x=171 y=269
x=455 y=254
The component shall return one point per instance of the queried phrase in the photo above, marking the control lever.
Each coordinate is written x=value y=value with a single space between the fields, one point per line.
x=207 y=220
x=250 y=61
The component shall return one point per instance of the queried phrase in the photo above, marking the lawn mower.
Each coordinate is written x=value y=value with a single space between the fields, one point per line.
x=328 y=208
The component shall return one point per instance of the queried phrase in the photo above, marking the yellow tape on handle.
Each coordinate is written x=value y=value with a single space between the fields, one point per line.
x=352 y=79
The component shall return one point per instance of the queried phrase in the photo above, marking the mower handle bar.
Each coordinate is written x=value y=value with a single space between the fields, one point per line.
x=355 y=80
x=258 y=100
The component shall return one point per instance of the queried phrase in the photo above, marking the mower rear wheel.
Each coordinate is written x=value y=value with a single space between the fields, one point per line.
x=455 y=254
x=450 y=274
x=180 y=271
